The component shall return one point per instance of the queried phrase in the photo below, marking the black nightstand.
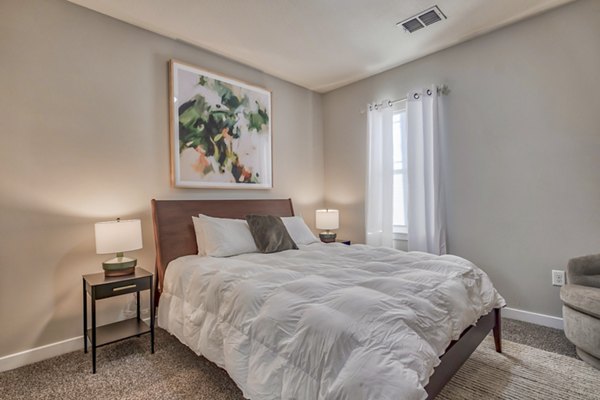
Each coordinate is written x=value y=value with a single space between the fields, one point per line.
x=100 y=287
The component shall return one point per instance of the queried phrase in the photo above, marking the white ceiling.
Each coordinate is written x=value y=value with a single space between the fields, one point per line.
x=318 y=44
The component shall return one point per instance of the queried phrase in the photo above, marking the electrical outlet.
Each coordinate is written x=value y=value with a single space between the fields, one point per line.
x=558 y=277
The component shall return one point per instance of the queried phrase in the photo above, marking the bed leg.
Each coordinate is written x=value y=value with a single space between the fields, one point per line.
x=498 y=330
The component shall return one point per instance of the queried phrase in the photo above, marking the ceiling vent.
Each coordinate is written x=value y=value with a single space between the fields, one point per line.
x=423 y=19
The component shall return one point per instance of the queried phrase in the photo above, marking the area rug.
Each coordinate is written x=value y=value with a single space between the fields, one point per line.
x=524 y=373
x=127 y=370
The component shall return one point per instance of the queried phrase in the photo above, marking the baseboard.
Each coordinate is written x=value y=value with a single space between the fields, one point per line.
x=41 y=353
x=535 y=318
x=22 y=358
x=36 y=354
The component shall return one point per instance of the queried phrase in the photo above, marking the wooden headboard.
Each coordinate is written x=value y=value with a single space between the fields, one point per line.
x=174 y=234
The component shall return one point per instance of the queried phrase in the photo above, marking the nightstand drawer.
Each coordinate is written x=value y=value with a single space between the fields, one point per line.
x=123 y=287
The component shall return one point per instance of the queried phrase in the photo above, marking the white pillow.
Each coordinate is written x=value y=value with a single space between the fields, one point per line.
x=298 y=230
x=199 y=235
x=224 y=237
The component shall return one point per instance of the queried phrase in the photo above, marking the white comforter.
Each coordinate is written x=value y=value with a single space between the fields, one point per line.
x=326 y=321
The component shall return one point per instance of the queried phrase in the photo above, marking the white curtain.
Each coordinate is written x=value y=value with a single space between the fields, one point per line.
x=380 y=174
x=426 y=219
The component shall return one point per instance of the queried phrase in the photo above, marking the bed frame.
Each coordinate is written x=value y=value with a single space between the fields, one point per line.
x=174 y=237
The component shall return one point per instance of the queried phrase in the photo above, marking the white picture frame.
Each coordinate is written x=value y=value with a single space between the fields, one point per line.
x=220 y=131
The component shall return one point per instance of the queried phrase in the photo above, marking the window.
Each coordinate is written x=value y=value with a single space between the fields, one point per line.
x=399 y=141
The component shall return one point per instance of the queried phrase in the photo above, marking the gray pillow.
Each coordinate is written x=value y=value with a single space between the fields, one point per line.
x=270 y=234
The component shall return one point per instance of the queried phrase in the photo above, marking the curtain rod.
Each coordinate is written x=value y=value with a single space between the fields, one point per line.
x=441 y=90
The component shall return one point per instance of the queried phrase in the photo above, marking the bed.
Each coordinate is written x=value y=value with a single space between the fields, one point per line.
x=260 y=349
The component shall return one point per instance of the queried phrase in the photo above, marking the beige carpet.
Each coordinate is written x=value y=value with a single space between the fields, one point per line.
x=524 y=373
x=126 y=370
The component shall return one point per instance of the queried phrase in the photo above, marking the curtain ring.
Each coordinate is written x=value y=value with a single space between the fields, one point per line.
x=429 y=93
x=416 y=96
x=376 y=106
x=389 y=103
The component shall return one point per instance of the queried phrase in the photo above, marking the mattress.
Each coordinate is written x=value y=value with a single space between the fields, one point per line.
x=327 y=321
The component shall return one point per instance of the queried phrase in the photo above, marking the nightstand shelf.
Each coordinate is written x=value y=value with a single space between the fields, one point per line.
x=117 y=331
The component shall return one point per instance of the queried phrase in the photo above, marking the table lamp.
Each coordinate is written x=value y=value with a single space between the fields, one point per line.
x=117 y=237
x=327 y=219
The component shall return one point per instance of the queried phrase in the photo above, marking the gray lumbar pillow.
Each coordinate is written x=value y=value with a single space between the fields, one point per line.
x=270 y=234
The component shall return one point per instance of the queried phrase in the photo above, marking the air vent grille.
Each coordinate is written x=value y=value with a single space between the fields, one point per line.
x=423 y=19
x=430 y=17
x=412 y=25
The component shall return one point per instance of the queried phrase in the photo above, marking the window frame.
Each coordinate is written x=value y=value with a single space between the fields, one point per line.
x=400 y=232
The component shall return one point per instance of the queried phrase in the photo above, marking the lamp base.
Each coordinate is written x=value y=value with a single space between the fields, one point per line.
x=327 y=237
x=119 y=272
x=119 y=266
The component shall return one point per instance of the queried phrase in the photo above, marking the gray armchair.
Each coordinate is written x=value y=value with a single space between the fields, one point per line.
x=581 y=307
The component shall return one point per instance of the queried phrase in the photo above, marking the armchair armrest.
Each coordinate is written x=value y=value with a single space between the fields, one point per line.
x=584 y=271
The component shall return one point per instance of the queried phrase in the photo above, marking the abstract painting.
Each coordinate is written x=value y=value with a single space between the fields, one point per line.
x=220 y=131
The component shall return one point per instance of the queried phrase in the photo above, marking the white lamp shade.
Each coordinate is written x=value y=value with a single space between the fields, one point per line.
x=118 y=236
x=327 y=219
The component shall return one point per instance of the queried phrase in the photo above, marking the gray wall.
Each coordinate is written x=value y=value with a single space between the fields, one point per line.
x=522 y=148
x=84 y=138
